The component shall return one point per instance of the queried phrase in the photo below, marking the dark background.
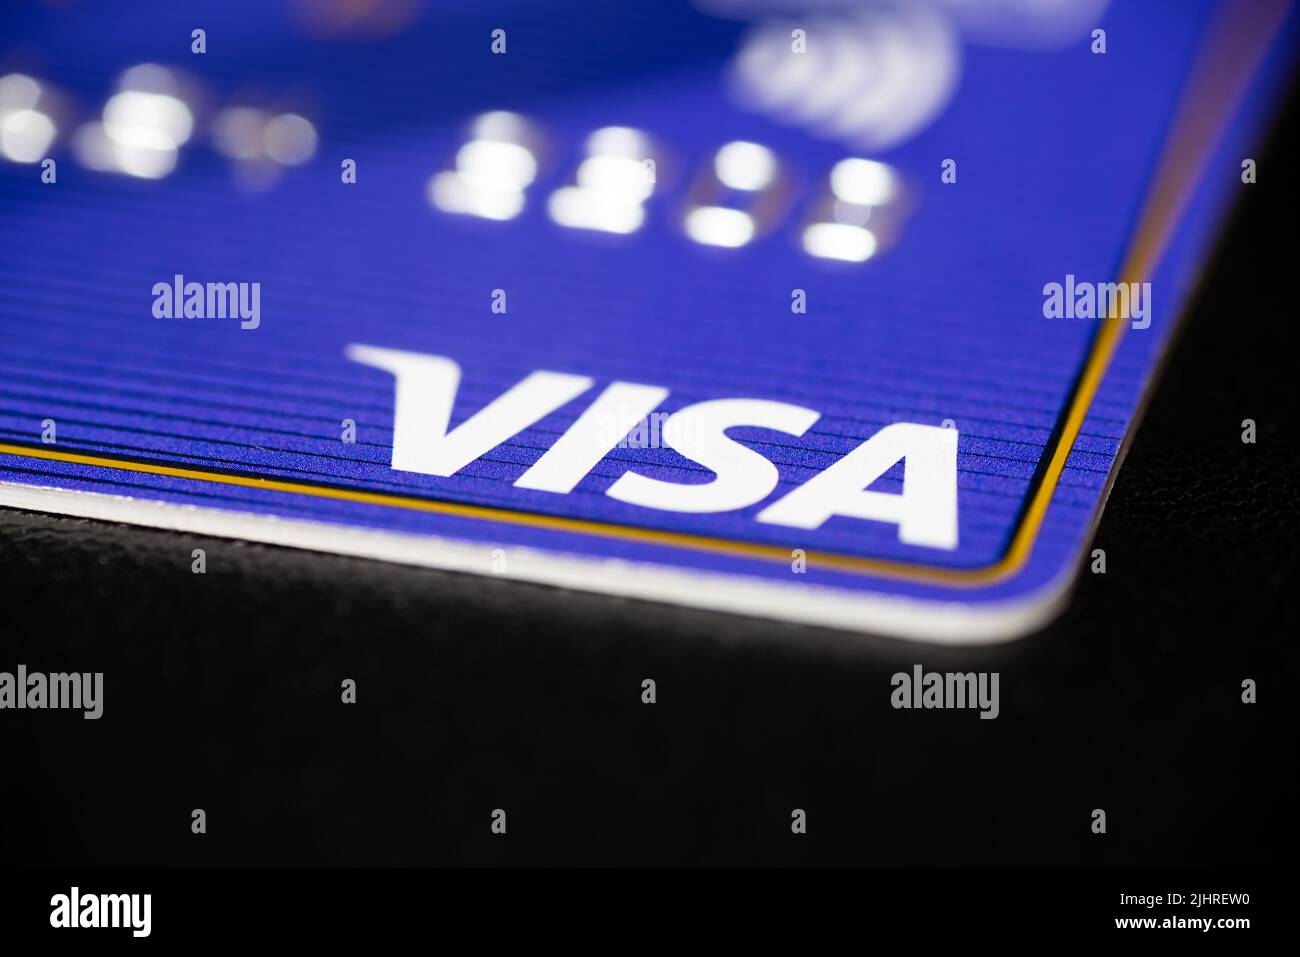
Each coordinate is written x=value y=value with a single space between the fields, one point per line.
x=222 y=690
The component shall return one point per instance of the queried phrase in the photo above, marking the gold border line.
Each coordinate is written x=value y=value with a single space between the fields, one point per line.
x=1218 y=80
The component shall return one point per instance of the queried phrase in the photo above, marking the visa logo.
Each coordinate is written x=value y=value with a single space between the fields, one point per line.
x=925 y=511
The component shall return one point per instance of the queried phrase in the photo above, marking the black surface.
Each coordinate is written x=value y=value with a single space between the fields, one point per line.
x=222 y=690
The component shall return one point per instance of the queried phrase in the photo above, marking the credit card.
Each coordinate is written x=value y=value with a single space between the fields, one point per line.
x=839 y=313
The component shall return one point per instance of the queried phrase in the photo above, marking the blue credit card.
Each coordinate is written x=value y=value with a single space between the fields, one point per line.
x=832 y=312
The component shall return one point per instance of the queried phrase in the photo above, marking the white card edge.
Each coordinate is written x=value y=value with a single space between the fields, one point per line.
x=929 y=621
